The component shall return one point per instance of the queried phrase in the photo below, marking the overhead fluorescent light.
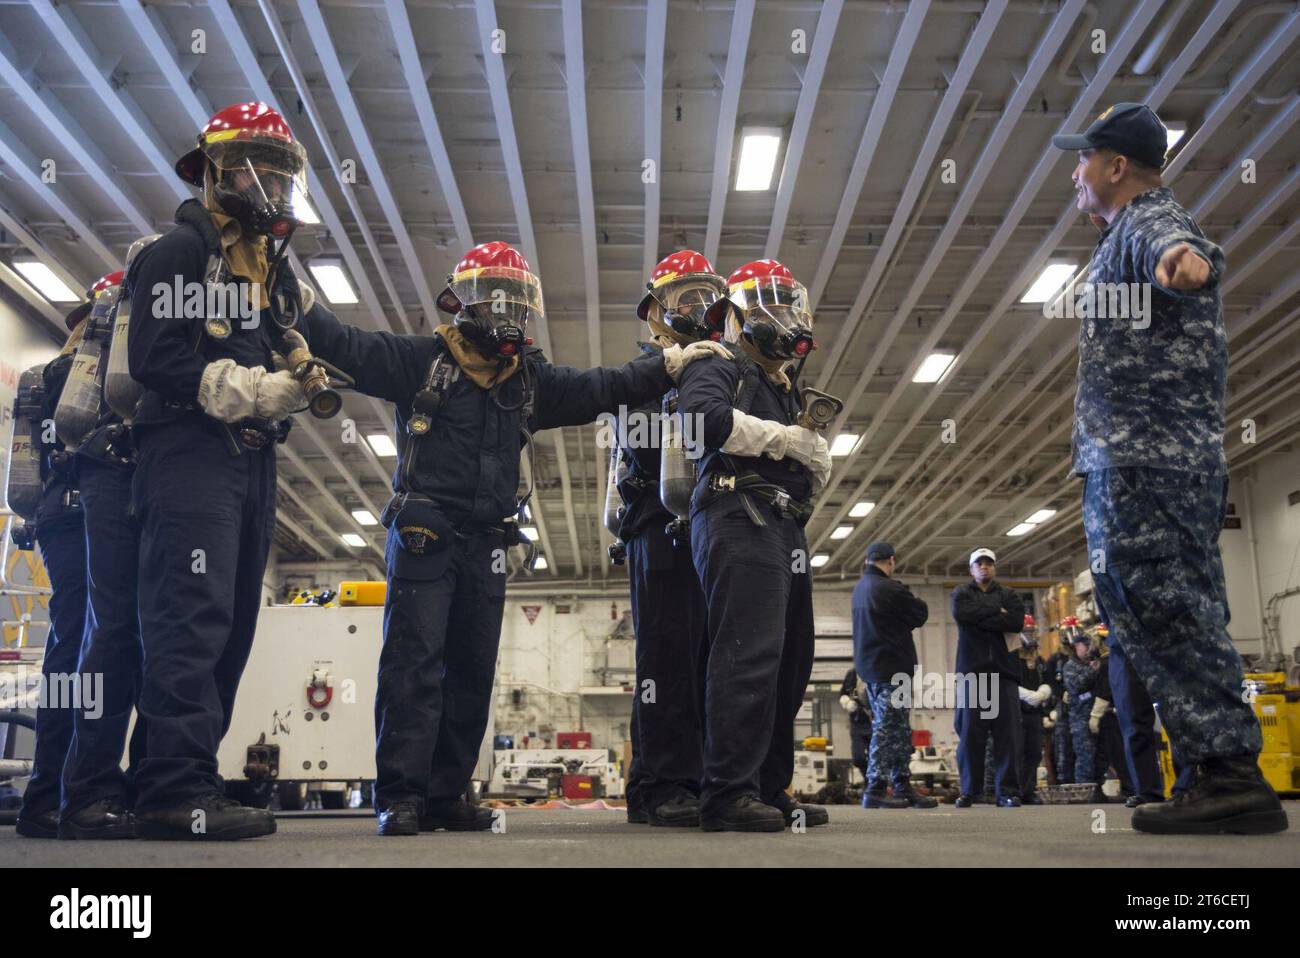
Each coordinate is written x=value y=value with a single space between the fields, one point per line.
x=1173 y=133
x=364 y=517
x=933 y=367
x=759 y=146
x=43 y=280
x=819 y=560
x=842 y=532
x=333 y=282
x=530 y=533
x=352 y=539
x=540 y=564
x=861 y=509
x=1042 y=515
x=1021 y=529
x=844 y=443
x=302 y=209
x=1049 y=282
x=382 y=444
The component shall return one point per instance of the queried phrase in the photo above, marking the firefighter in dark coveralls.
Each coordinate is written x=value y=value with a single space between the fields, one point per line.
x=757 y=476
x=667 y=605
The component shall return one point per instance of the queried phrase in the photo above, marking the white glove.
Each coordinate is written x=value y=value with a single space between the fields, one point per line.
x=278 y=395
x=847 y=703
x=228 y=391
x=676 y=357
x=1054 y=717
x=1036 y=697
x=1099 y=708
x=751 y=436
x=820 y=465
x=1048 y=723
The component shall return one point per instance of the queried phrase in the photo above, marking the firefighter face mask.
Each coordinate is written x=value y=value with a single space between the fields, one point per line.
x=683 y=307
x=495 y=306
x=776 y=319
x=257 y=182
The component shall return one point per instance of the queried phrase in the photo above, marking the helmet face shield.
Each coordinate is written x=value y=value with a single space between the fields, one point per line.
x=258 y=179
x=776 y=316
x=500 y=294
x=495 y=306
x=685 y=302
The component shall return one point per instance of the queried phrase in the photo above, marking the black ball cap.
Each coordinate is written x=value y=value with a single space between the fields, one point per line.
x=879 y=552
x=1130 y=129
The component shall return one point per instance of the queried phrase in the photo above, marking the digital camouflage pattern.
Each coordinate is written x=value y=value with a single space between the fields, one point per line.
x=890 y=757
x=1151 y=390
x=1079 y=679
x=1154 y=536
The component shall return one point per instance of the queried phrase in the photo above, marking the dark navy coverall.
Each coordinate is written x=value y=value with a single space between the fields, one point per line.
x=758 y=587
x=60 y=533
x=111 y=648
x=205 y=505
x=671 y=626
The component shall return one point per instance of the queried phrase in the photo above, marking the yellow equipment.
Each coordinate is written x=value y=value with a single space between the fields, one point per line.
x=1277 y=706
x=816 y=743
x=362 y=593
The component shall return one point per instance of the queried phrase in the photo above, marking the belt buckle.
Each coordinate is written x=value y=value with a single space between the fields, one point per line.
x=781 y=499
x=725 y=483
x=253 y=438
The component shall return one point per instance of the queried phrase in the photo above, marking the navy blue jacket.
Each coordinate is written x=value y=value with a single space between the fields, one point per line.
x=884 y=614
x=468 y=464
x=161 y=351
x=981 y=642
x=708 y=389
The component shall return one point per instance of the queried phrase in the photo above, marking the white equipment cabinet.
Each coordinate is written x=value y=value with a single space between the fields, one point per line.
x=305 y=711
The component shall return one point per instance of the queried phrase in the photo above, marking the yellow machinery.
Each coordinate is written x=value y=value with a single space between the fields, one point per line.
x=1277 y=706
x=362 y=593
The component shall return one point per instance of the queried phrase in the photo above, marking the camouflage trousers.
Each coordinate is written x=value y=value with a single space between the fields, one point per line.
x=1083 y=741
x=889 y=759
x=1153 y=544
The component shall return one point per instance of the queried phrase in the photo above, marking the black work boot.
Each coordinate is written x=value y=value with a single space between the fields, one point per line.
x=1229 y=795
x=1008 y=801
x=964 y=800
x=745 y=814
x=636 y=816
x=455 y=815
x=790 y=810
x=40 y=825
x=212 y=817
x=680 y=811
x=104 y=819
x=903 y=789
x=399 y=818
x=876 y=796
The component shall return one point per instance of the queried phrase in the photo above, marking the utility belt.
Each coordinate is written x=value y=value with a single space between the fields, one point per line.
x=249 y=433
x=750 y=487
x=421 y=525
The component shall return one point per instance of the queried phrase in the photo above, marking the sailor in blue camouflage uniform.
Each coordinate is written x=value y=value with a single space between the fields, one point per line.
x=1148 y=440
x=884 y=652
x=1080 y=679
